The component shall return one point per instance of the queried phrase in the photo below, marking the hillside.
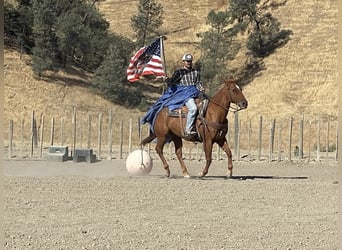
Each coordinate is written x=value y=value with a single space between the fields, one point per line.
x=300 y=77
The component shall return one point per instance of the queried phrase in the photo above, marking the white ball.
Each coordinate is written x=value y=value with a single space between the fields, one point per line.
x=139 y=163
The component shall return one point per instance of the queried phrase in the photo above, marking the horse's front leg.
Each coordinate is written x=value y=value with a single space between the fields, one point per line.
x=224 y=145
x=208 y=146
x=159 y=150
x=178 y=150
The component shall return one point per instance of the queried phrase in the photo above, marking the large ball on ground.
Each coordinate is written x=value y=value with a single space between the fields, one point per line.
x=139 y=163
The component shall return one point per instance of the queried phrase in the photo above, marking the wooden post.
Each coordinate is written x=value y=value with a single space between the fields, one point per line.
x=52 y=131
x=41 y=137
x=10 y=139
x=270 y=143
x=337 y=146
x=99 y=137
x=62 y=131
x=130 y=135
x=279 y=143
x=290 y=139
x=80 y=131
x=236 y=132
x=22 y=137
x=238 y=140
x=32 y=134
x=249 y=139
x=309 y=147
x=301 y=135
x=121 y=139
x=318 y=138
x=74 y=131
x=89 y=132
x=273 y=134
x=110 y=135
x=327 y=138
x=260 y=138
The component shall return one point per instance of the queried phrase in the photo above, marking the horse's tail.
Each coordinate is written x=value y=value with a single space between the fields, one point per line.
x=148 y=139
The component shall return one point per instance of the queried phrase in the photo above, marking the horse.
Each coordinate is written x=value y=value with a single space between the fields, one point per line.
x=211 y=126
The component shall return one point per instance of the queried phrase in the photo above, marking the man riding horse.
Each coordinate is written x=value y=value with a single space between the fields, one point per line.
x=184 y=86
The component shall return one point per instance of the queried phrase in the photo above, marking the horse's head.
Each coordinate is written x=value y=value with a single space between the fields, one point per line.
x=236 y=95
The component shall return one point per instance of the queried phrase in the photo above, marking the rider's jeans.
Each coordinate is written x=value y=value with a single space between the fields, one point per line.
x=192 y=110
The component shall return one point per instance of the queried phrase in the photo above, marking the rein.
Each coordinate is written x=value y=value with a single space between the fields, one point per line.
x=233 y=109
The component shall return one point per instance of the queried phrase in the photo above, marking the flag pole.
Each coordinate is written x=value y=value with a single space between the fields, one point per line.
x=162 y=54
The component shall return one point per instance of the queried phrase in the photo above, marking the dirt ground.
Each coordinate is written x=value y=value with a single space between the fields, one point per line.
x=50 y=205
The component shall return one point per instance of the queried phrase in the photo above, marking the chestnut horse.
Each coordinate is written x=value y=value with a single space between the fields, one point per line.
x=211 y=126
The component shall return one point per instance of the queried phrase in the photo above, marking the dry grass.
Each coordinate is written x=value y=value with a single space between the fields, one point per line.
x=300 y=77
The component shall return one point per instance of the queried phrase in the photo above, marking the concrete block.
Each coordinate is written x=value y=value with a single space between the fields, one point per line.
x=57 y=153
x=84 y=155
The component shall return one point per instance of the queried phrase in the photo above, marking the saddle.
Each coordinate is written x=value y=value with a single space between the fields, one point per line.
x=202 y=105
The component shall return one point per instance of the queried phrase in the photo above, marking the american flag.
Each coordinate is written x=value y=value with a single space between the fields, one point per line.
x=146 y=61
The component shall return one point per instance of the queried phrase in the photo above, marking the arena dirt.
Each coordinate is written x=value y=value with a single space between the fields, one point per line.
x=68 y=205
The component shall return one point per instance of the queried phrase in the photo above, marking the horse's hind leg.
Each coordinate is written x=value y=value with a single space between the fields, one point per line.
x=224 y=145
x=178 y=150
x=159 y=150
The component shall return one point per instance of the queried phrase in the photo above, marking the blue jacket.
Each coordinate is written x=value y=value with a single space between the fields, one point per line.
x=175 y=97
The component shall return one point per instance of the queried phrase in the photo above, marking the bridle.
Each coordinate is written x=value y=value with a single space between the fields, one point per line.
x=232 y=109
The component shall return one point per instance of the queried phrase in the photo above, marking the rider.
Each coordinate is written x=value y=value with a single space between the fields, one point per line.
x=188 y=78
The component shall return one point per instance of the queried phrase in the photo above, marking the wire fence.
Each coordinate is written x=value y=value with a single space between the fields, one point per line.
x=114 y=137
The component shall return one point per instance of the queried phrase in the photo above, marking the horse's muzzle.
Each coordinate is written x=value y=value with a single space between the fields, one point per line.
x=243 y=104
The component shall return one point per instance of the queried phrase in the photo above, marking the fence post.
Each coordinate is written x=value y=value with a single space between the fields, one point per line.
x=89 y=132
x=249 y=139
x=327 y=138
x=236 y=133
x=99 y=138
x=22 y=137
x=301 y=132
x=270 y=143
x=33 y=133
x=273 y=134
x=41 y=137
x=130 y=135
x=80 y=132
x=336 y=154
x=62 y=131
x=279 y=142
x=52 y=131
x=309 y=148
x=10 y=139
x=238 y=140
x=290 y=138
x=260 y=138
x=110 y=134
x=121 y=139
x=318 y=138
x=74 y=130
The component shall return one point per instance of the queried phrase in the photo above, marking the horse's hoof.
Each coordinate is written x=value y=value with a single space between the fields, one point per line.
x=201 y=175
x=187 y=176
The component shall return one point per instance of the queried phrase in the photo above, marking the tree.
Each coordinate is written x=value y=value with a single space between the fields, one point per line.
x=218 y=46
x=18 y=25
x=260 y=36
x=147 y=21
x=44 y=51
x=83 y=35
x=110 y=78
x=263 y=31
